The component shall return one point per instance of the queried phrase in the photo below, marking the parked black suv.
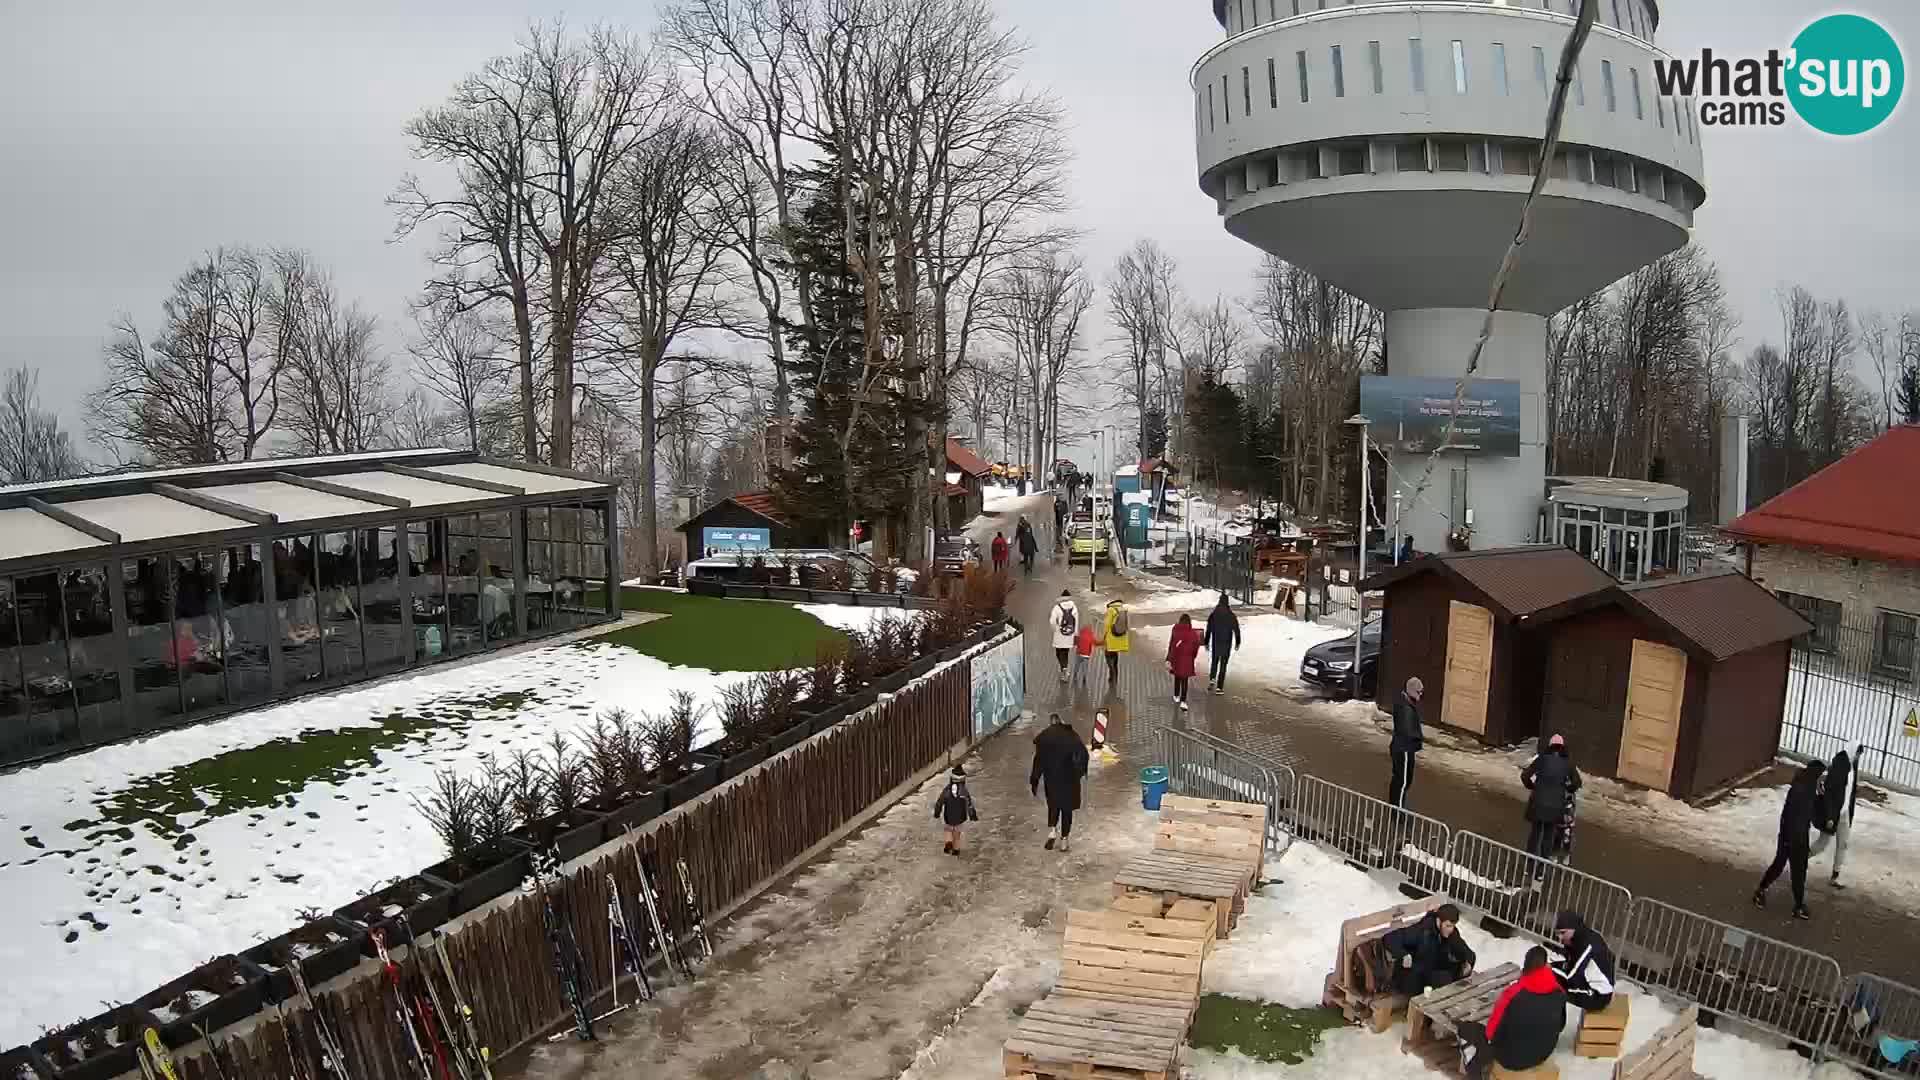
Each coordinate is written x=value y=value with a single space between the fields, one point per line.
x=1329 y=665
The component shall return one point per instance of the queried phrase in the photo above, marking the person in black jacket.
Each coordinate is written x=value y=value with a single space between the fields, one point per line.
x=1525 y=1023
x=1552 y=780
x=1024 y=539
x=1802 y=809
x=1428 y=953
x=1843 y=793
x=1406 y=742
x=955 y=807
x=1586 y=970
x=1223 y=636
x=1059 y=760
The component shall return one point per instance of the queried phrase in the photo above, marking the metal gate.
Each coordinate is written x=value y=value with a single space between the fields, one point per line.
x=1221 y=565
x=1850 y=688
x=1205 y=767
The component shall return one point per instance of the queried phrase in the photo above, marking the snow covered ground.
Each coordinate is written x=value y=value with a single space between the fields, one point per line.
x=124 y=867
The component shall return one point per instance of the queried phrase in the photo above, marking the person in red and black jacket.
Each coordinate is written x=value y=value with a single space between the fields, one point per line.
x=1524 y=1026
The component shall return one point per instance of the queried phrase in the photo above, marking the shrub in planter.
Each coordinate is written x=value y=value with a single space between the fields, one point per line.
x=834 y=575
x=780 y=695
x=826 y=679
x=97 y=1048
x=614 y=761
x=636 y=811
x=700 y=779
x=222 y=991
x=478 y=877
x=24 y=1063
x=570 y=833
x=862 y=665
x=984 y=593
x=668 y=737
x=412 y=905
x=324 y=948
x=740 y=711
x=947 y=626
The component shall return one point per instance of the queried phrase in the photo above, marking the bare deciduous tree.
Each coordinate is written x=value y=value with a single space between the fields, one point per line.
x=1142 y=299
x=33 y=446
x=335 y=392
x=457 y=360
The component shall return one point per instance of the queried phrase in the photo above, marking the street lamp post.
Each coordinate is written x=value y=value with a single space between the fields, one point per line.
x=1396 y=526
x=1359 y=421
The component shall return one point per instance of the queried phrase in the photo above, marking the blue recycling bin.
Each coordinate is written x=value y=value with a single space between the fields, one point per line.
x=1153 y=784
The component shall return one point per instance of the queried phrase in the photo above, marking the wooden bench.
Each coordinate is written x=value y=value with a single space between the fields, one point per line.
x=1171 y=875
x=1434 y=1018
x=1602 y=1031
x=1083 y=1039
x=1352 y=986
x=1666 y=1056
x=1133 y=959
x=1220 y=813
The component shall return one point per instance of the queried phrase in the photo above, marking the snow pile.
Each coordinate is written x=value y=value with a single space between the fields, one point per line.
x=849 y=617
x=1283 y=948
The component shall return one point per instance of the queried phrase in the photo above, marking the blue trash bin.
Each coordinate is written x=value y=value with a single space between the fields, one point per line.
x=1153 y=784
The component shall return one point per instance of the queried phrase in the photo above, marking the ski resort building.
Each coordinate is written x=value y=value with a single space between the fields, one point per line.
x=136 y=602
x=1388 y=147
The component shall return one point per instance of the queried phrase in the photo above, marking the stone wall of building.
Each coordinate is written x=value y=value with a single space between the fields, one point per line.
x=1863 y=587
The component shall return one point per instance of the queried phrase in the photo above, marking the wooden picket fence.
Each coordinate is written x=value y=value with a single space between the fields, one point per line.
x=732 y=840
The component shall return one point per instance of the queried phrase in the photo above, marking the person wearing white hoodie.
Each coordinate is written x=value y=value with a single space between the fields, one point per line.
x=1065 y=620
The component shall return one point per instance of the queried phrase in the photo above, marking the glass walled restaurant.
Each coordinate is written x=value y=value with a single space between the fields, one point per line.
x=1632 y=529
x=136 y=602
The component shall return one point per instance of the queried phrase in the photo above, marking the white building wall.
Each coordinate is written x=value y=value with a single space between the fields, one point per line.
x=1862 y=587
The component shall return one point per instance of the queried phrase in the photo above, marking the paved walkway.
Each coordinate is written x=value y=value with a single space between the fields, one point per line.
x=885 y=947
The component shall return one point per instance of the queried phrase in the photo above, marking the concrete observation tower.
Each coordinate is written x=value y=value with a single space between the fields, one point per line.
x=1387 y=146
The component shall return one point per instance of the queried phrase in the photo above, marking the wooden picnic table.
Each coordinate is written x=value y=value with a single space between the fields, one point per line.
x=1219 y=881
x=1078 y=1037
x=1434 y=1018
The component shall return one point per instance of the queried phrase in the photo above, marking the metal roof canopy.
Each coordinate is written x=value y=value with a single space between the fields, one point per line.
x=127 y=514
x=1615 y=493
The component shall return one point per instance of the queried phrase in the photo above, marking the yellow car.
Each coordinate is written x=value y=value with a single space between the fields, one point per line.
x=1085 y=539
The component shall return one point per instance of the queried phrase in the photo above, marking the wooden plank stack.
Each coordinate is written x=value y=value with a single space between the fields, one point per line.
x=1130 y=975
x=1353 y=986
x=1666 y=1056
x=1434 y=1018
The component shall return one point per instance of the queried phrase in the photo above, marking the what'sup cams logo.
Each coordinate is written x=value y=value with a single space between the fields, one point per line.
x=1842 y=76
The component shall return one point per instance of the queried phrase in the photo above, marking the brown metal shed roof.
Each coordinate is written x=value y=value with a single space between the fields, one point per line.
x=1724 y=613
x=1521 y=581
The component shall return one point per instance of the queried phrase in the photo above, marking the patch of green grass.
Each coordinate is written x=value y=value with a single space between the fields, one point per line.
x=273 y=773
x=1262 y=1032
x=721 y=634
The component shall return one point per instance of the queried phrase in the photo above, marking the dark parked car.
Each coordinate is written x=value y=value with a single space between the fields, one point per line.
x=953 y=553
x=1330 y=664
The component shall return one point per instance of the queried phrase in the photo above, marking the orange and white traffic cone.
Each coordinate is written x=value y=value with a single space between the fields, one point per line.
x=1099 y=730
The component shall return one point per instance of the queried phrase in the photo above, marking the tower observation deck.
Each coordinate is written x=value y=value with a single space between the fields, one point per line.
x=1387 y=146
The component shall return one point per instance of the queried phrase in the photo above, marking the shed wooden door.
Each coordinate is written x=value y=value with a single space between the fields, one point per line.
x=1469 y=666
x=1656 y=687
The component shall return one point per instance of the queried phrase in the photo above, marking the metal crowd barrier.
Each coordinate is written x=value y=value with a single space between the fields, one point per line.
x=1777 y=987
x=1526 y=892
x=1373 y=833
x=1203 y=766
x=1873 y=1008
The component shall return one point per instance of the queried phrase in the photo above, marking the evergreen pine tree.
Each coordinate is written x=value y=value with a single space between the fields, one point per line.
x=1906 y=396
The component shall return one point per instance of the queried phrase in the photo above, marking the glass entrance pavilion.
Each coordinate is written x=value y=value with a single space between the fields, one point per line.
x=136 y=602
x=1632 y=529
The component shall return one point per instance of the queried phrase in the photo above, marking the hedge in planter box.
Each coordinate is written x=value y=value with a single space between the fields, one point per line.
x=412 y=905
x=324 y=948
x=222 y=991
x=97 y=1048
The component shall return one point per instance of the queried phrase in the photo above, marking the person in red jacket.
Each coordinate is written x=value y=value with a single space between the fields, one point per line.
x=1524 y=1026
x=1182 y=647
x=999 y=551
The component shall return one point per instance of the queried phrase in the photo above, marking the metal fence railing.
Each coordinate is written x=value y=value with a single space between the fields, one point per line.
x=1850 y=687
x=1526 y=892
x=1371 y=832
x=1878 y=1023
x=1792 y=992
x=1205 y=767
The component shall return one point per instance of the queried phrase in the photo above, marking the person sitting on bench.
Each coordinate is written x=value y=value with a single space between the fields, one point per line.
x=1587 y=973
x=1428 y=953
x=1523 y=1027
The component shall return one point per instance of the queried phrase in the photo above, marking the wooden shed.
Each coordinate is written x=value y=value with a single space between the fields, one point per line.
x=1677 y=684
x=1470 y=625
x=743 y=522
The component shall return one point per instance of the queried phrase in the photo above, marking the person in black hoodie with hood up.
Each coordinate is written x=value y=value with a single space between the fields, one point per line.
x=1551 y=779
x=1843 y=793
x=1059 y=760
x=1586 y=970
x=1223 y=636
x=1803 y=808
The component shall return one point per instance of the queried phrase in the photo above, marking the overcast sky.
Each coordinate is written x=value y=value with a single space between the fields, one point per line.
x=135 y=135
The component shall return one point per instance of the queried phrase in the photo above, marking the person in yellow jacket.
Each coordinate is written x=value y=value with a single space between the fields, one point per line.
x=1117 y=638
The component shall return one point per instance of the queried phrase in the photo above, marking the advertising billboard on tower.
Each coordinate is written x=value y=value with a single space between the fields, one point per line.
x=1409 y=414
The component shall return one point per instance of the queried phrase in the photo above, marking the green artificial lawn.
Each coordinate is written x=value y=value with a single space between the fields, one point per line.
x=1262 y=1032
x=722 y=634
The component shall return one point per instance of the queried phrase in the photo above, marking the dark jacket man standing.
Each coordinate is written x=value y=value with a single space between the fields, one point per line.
x=1428 y=953
x=1223 y=636
x=1586 y=970
x=1551 y=779
x=1059 y=760
x=1843 y=794
x=1803 y=808
x=1407 y=741
x=1525 y=1023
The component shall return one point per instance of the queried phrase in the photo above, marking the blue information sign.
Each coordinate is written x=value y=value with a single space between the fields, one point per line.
x=727 y=539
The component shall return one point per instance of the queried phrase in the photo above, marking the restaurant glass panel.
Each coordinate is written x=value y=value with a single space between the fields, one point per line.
x=294 y=584
x=540 y=576
x=599 y=583
x=339 y=598
x=427 y=588
x=43 y=660
x=13 y=688
x=499 y=606
x=381 y=598
x=155 y=698
x=243 y=609
x=199 y=643
x=467 y=628
x=91 y=654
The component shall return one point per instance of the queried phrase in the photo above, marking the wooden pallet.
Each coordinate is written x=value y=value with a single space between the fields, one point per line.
x=1434 y=1018
x=1666 y=1056
x=1546 y=1070
x=1083 y=1039
x=1219 y=813
x=1134 y=960
x=1172 y=875
x=1351 y=987
x=1228 y=843
x=1602 y=1032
